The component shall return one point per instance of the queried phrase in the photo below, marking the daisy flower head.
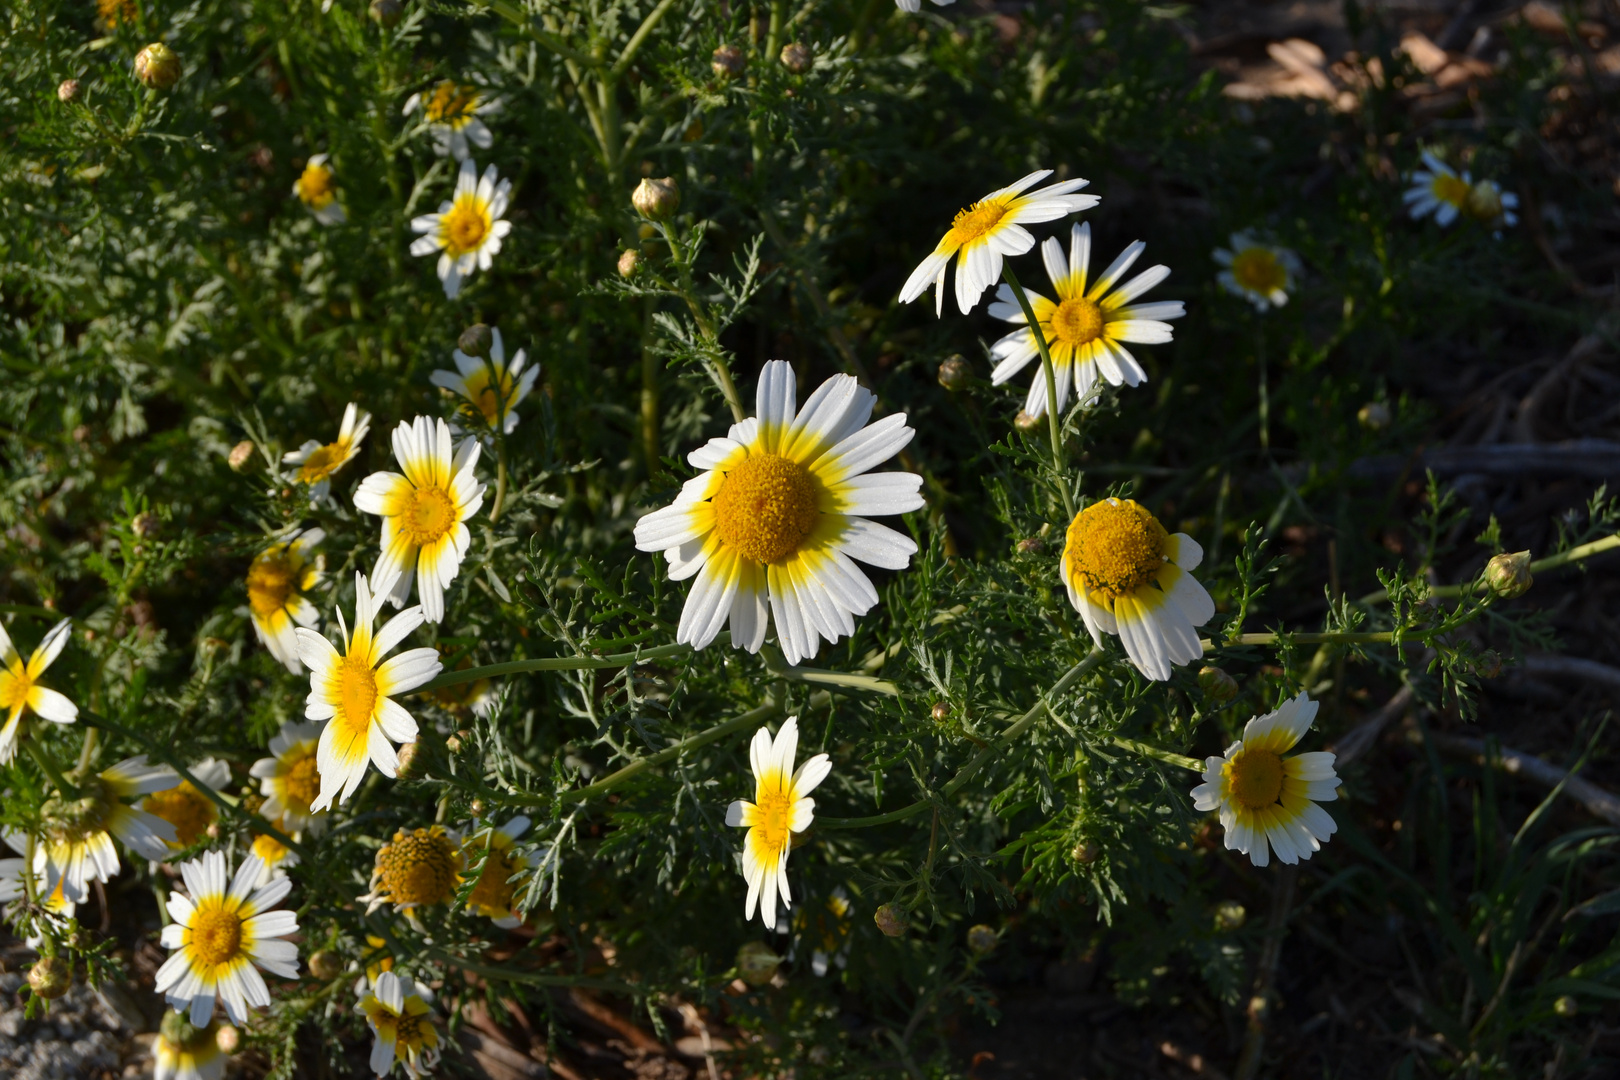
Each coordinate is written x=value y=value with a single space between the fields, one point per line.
x=276 y=857
x=184 y=1052
x=1266 y=801
x=222 y=934
x=352 y=691
x=1260 y=273
x=76 y=842
x=318 y=461
x=1439 y=190
x=1492 y=206
x=773 y=524
x=290 y=779
x=451 y=111
x=424 y=512
x=911 y=7
x=989 y=229
x=782 y=806
x=14 y=887
x=1127 y=575
x=316 y=188
x=401 y=1017
x=491 y=386
x=418 y=868
x=185 y=806
x=467 y=231
x=1086 y=326
x=495 y=893
x=278 y=581
x=828 y=929
x=20 y=689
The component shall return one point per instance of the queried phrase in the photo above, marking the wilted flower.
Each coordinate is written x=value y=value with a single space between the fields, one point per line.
x=417 y=868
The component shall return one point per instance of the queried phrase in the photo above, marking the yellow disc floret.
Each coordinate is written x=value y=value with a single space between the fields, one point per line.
x=215 y=934
x=322 y=462
x=465 y=225
x=452 y=104
x=1259 y=270
x=268 y=848
x=270 y=581
x=301 y=783
x=417 y=868
x=1255 y=778
x=1077 y=321
x=765 y=507
x=1114 y=548
x=773 y=815
x=428 y=514
x=1450 y=188
x=491 y=394
x=356 y=693
x=315 y=186
x=495 y=890
x=184 y=807
x=975 y=222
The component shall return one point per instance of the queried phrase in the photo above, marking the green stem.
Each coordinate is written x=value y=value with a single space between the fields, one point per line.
x=649 y=388
x=87 y=753
x=1540 y=566
x=1054 y=421
x=670 y=753
x=1146 y=750
x=500 y=485
x=719 y=370
x=558 y=663
x=49 y=767
x=1383 y=637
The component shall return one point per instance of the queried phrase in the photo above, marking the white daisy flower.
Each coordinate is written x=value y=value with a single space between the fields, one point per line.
x=911 y=7
x=495 y=894
x=278 y=582
x=779 y=515
x=493 y=387
x=20 y=688
x=829 y=931
x=316 y=188
x=13 y=887
x=1492 y=206
x=185 y=806
x=417 y=868
x=424 y=512
x=1127 y=575
x=276 y=858
x=352 y=691
x=318 y=461
x=190 y=1055
x=1084 y=329
x=781 y=807
x=468 y=229
x=1267 y=801
x=451 y=111
x=1260 y=273
x=401 y=1017
x=1438 y=190
x=222 y=935
x=992 y=227
x=290 y=780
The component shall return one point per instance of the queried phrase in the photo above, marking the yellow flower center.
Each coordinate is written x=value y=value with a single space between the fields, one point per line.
x=357 y=694
x=494 y=892
x=765 y=507
x=408 y=1030
x=452 y=104
x=322 y=462
x=184 y=807
x=489 y=394
x=429 y=513
x=1114 y=548
x=15 y=686
x=1077 y=321
x=270 y=581
x=216 y=935
x=420 y=867
x=974 y=223
x=268 y=848
x=1255 y=778
x=774 y=816
x=315 y=187
x=1451 y=189
x=465 y=225
x=1258 y=270
x=302 y=780
x=114 y=12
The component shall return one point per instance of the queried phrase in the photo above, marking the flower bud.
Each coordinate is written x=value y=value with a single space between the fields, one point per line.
x=1085 y=853
x=941 y=711
x=1374 y=415
x=79 y=938
x=629 y=262
x=797 y=57
x=657 y=200
x=475 y=341
x=1566 y=1006
x=728 y=61
x=1230 y=915
x=157 y=66
x=1488 y=664
x=1216 y=684
x=407 y=760
x=1031 y=545
x=144 y=525
x=50 y=977
x=325 y=965
x=1026 y=422
x=477 y=808
x=68 y=90
x=386 y=13
x=982 y=940
x=229 y=1037
x=1509 y=575
x=890 y=919
x=241 y=456
x=756 y=963
x=955 y=374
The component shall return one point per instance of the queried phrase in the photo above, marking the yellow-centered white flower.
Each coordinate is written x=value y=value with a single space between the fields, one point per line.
x=782 y=806
x=278 y=583
x=772 y=527
x=491 y=386
x=1267 y=801
x=318 y=461
x=424 y=512
x=495 y=893
x=222 y=934
x=316 y=188
x=1087 y=326
x=1260 y=273
x=290 y=779
x=20 y=689
x=989 y=229
x=1127 y=575
x=197 y=1056
x=467 y=231
x=401 y=1017
x=185 y=806
x=1438 y=189
x=451 y=111
x=352 y=691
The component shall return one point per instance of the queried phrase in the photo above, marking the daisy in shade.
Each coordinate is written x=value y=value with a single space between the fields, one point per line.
x=1438 y=190
x=401 y=1017
x=278 y=581
x=352 y=691
x=1260 y=273
x=184 y=1052
x=491 y=387
x=424 y=535
x=451 y=111
x=467 y=231
x=290 y=780
x=1493 y=206
x=20 y=688
x=911 y=7
x=185 y=806
x=496 y=891
x=1127 y=575
x=828 y=931
x=775 y=521
x=417 y=868
x=316 y=188
x=1086 y=326
x=782 y=806
x=992 y=227
x=318 y=461
x=222 y=935
x=76 y=846
x=1267 y=801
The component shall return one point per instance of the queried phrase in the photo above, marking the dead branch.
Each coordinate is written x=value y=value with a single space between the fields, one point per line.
x=1517 y=763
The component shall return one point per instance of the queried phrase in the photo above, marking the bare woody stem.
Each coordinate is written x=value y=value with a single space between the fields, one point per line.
x=1054 y=422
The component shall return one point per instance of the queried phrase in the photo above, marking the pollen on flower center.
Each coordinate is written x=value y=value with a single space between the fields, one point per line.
x=184 y=807
x=971 y=224
x=302 y=783
x=1077 y=321
x=1256 y=778
x=765 y=507
x=774 y=816
x=357 y=693
x=494 y=890
x=452 y=104
x=321 y=463
x=315 y=186
x=216 y=935
x=1114 y=548
x=465 y=226
x=408 y=1029
x=429 y=514
x=418 y=867
x=270 y=581
x=15 y=686
x=268 y=848
x=1259 y=270
x=1451 y=189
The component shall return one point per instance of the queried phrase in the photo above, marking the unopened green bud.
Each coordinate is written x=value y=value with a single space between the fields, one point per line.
x=50 y=977
x=67 y=90
x=657 y=200
x=157 y=66
x=325 y=965
x=1028 y=423
x=386 y=13
x=475 y=341
x=728 y=62
x=890 y=919
x=1085 y=853
x=982 y=940
x=955 y=373
x=1566 y=1006
x=1230 y=915
x=756 y=963
x=797 y=57
x=1216 y=684
x=1509 y=575
x=407 y=759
